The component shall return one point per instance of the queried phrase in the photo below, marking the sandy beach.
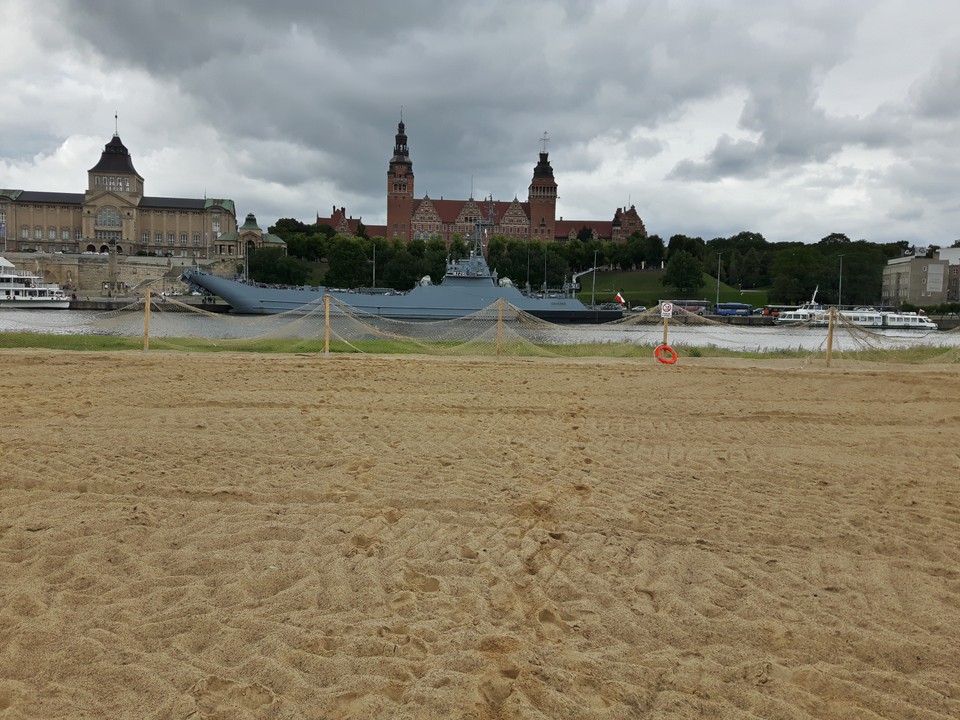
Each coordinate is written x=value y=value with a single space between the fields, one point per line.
x=265 y=536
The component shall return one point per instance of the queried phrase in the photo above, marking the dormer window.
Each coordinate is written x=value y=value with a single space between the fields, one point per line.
x=115 y=183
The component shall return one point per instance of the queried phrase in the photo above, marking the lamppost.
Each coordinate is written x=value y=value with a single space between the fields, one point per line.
x=719 y=256
x=840 y=287
x=545 y=270
x=593 y=290
x=528 y=265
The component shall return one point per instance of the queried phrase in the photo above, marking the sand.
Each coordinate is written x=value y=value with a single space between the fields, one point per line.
x=253 y=536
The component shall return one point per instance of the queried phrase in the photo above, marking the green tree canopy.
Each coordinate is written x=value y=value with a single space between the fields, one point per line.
x=270 y=265
x=349 y=267
x=285 y=226
x=681 y=243
x=402 y=271
x=796 y=273
x=684 y=272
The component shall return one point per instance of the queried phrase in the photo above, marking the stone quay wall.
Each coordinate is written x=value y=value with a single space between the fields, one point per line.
x=110 y=274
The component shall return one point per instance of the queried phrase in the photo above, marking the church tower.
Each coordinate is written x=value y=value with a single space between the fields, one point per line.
x=542 y=198
x=400 y=188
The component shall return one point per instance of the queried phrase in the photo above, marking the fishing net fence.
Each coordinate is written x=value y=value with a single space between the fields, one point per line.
x=331 y=326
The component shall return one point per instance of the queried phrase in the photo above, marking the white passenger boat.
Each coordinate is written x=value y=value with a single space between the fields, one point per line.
x=814 y=314
x=872 y=318
x=908 y=321
x=810 y=312
x=21 y=289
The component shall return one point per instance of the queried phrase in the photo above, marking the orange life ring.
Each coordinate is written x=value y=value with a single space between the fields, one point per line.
x=665 y=354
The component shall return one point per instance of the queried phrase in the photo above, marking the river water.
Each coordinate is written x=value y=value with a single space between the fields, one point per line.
x=731 y=337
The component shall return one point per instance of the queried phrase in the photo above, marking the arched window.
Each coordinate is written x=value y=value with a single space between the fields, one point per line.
x=108 y=217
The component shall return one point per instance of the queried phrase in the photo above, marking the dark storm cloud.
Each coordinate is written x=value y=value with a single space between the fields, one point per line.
x=789 y=135
x=479 y=84
x=937 y=96
x=782 y=117
x=167 y=37
x=300 y=98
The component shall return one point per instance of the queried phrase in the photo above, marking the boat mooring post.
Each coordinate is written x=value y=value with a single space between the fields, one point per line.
x=146 y=322
x=326 y=324
x=831 y=315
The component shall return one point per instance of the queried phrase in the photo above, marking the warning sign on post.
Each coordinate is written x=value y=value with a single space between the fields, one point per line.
x=666 y=309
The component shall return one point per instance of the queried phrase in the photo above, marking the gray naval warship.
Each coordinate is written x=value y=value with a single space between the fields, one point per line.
x=468 y=286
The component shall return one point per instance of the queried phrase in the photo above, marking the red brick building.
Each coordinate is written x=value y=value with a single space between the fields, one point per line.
x=409 y=218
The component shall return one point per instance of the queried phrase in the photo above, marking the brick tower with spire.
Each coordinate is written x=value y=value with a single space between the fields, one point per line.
x=542 y=197
x=400 y=188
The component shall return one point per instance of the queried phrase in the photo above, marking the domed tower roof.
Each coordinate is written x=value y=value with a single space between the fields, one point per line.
x=543 y=168
x=401 y=153
x=250 y=223
x=115 y=158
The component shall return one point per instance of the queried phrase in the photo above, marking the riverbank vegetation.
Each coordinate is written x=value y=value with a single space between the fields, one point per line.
x=313 y=346
x=745 y=267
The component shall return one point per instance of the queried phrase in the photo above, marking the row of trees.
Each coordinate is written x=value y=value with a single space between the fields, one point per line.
x=789 y=271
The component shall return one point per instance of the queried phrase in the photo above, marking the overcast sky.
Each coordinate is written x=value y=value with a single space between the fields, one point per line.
x=794 y=119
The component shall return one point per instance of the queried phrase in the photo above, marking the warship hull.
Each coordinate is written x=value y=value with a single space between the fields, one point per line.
x=456 y=297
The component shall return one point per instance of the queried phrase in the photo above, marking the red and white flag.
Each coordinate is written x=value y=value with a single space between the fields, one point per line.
x=620 y=299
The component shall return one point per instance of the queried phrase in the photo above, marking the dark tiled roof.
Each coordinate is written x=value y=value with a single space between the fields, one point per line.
x=150 y=203
x=543 y=168
x=173 y=203
x=52 y=198
x=115 y=158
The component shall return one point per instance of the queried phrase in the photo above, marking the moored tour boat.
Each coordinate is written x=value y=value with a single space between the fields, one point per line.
x=22 y=289
x=872 y=318
x=812 y=313
x=809 y=312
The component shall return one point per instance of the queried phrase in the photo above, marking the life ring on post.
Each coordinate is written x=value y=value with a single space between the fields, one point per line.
x=665 y=354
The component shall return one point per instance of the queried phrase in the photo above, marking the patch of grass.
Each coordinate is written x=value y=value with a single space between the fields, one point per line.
x=10 y=340
x=644 y=287
x=87 y=343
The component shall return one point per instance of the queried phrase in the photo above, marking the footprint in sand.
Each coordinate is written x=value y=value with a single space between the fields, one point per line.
x=497 y=686
x=402 y=600
x=423 y=583
x=216 y=694
x=363 y=542
x=645 y=602
x=468 y=553
x=552 y=624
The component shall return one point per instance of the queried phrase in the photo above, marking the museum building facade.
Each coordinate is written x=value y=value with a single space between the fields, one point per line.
x=114 y=215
